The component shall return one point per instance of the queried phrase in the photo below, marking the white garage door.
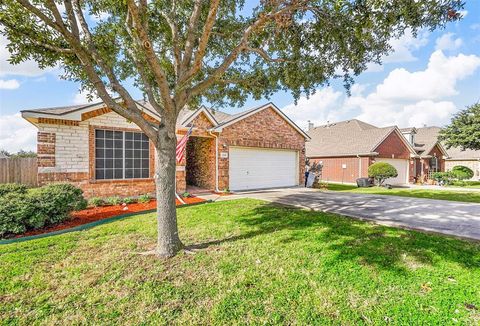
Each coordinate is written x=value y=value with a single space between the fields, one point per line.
x=257 y=168
x=402 y=170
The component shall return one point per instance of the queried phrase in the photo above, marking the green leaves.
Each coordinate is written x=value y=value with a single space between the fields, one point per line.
x=464 y=130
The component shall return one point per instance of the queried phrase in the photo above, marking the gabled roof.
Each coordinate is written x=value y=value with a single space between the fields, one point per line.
x=245 y=114
x=218 y=119
x=348 y=138
x=426 y=139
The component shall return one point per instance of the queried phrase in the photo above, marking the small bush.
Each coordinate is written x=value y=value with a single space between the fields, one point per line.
x=186 y=194
x=445 y=178
x=56 y=201
x=144 y=198
x=381 y=171
x=18 y=188
x=96 y=202
x=20 y=212
x=129 y=200
x=115 y=200
x=462 y=172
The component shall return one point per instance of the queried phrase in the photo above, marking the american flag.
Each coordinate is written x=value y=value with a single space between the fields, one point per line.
x=182 y=144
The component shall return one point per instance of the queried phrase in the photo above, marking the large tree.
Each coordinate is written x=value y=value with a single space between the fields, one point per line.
x=183 y=53
x=464 y=130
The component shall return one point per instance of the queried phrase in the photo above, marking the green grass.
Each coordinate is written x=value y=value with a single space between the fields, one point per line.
x=469 y=197
x=260 y=264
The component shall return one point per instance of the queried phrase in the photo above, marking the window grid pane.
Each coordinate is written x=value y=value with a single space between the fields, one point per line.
x=121 y=155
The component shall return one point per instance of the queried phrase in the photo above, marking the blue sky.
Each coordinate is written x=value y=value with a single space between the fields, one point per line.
x=424 y=82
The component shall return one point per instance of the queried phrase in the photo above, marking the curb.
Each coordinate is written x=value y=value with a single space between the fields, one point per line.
x=88 y=225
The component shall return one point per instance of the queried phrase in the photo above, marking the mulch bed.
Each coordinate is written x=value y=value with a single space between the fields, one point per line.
x=99 y=213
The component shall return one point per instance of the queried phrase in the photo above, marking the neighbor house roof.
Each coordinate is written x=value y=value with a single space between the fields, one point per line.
x=427 y=137
x=347 y=138
x=219 y=119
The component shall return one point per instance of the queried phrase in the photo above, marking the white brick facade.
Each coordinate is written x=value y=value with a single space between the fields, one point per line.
x=71 y=147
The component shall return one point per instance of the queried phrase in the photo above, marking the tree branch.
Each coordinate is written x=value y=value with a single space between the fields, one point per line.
x=261 y=52
x=151 y=57
x=191 y=32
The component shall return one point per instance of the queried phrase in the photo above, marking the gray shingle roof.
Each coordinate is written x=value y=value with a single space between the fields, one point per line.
x=59 y=110
x=427 y=137
x=351 y=137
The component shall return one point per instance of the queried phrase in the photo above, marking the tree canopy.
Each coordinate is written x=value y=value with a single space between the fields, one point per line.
x=183 y=53
x=464 y=129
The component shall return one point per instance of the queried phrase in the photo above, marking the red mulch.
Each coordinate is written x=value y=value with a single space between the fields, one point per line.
x=99 y=213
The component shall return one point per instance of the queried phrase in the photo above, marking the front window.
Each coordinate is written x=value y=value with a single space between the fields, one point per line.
x=434 y=164
x=121 y=155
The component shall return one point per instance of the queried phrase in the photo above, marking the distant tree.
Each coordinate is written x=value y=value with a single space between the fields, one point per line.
x=4 y=153
x=464 y=130
x=23 y=153
x=462 y=172
x=183 y=53
x=381 y=171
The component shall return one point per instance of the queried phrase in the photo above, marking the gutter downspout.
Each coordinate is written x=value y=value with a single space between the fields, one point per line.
x=359 y=166
x=216 y=161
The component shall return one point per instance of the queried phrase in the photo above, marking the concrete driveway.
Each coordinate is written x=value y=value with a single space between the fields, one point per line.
x=448 y=217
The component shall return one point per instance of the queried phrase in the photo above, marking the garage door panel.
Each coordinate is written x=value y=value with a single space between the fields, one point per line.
x=402 y=170
x=255 y=168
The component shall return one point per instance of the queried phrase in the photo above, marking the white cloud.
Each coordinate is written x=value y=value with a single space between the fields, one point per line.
x=321 y=107
x=447 y=42
x=9 y=84
x=404 y=98
x=475 y=26
x=414 y=98
x=82 y=97
x=403 y=49
x=464 y=13
x=404 y=46
x=16 y=133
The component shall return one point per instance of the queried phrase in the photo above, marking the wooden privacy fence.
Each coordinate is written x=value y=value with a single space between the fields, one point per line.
x=19 y=170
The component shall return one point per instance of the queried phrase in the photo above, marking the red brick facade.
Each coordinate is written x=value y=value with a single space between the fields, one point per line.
x=265 y=128
x=46 y=149
x=343 y=169
x=349 y=168
x=393 y=147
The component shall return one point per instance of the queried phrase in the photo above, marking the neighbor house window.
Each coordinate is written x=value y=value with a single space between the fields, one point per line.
x=121 y=155
x=434 y=164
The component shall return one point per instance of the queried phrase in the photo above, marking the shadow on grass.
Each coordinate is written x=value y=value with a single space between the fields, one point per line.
x=352 y=240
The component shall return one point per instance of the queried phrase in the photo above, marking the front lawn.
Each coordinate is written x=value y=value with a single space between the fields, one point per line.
x=260 y=264
x=470 y=197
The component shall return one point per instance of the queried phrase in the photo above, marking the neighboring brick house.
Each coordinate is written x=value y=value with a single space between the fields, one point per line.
x=428 y=147
x=431 y=154
x=106 y=155
x=346 y=149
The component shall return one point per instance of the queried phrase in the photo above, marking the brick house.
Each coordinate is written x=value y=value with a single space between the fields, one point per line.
x=106 y=155
x=427 y=145
x=346 y=149
x=431 y=154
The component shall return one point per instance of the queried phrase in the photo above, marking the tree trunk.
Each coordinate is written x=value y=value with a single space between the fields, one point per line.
x=165 y=174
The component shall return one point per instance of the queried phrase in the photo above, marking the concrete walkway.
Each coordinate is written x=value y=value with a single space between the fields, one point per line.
x=447 y=217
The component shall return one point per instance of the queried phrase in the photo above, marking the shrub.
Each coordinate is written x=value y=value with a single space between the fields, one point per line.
x=56 y=201
x=96 y=202
x=129 y=200
x=186 y=194
x=443 y=177
x=381 y=171
x=115 y=200
x=18 y=188
x=462 y=172
x=144 y=198
x=20 y=212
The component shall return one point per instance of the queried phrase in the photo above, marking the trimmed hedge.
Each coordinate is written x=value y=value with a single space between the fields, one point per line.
x=462 y=172
x=382 y=171
x=36 y=208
